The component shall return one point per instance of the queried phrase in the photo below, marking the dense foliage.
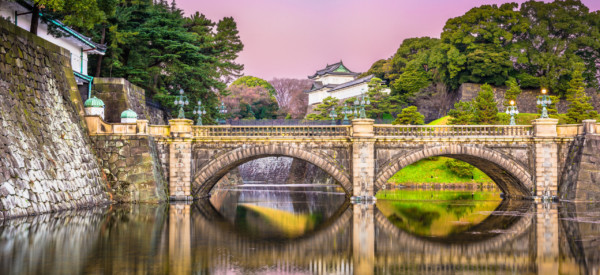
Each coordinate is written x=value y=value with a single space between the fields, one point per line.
x=538 y=44
x=579 y=103
x=244 y=102
x=154 y=46
x=252 y=81
x=410 y=116
x=460 y=168
x=481 y=110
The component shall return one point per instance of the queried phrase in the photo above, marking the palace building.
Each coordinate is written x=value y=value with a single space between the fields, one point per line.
x=337 y=81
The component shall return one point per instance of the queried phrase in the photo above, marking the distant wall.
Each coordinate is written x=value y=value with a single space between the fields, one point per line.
x=45 y=161
x=119 y=95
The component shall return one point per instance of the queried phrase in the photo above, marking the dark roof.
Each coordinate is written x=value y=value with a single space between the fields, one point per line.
x=352 y=83
x=337 y=68
x=317 y=85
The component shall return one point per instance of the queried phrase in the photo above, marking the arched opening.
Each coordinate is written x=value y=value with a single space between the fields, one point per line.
x=508 y=174
x=208 y=175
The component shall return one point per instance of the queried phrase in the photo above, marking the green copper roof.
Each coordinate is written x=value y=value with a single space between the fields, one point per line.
x=128 y=114
x=93 y=102
x=342 y=69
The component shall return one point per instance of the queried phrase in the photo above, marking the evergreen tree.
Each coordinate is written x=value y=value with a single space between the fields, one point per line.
x=323 y=109
x=514 y=90
x=462 y=114
x=485 y=110
x=410 y=116
x=579 y=103
x=381 y=103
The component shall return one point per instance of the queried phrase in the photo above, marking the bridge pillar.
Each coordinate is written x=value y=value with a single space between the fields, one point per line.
x=363 y=238
x=363 y=159
x=546 y=226
x=180 y=160
x=546 y=158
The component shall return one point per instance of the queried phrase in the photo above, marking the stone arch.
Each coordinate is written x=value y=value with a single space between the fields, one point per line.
x=511 y=177
x=212 y=172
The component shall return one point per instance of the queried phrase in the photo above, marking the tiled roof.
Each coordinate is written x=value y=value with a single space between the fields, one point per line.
x=331 y=69
x=365 y=79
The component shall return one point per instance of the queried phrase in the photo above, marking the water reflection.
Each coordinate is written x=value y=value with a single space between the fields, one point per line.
x=515 y=237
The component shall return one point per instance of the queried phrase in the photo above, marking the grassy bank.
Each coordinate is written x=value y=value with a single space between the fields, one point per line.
x=434 y=171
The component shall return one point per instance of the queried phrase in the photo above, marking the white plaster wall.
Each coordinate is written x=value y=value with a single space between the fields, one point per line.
x=352 y=91
x=335 y=79
x=24 y=21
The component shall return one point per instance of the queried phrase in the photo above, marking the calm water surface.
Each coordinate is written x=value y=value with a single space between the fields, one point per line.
x=308 y=229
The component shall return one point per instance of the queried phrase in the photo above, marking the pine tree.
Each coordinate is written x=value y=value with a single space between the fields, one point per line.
x=462 y=114
x=323 y=109
x=410 y=116
x=514 y=90
x=485 y=110
x=579 y=106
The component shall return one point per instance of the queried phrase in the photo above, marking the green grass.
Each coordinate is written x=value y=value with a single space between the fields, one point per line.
x=440 y=121
x=434 y=170
x=438 y=195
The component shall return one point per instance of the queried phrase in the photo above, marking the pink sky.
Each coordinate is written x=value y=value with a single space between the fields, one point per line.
x=294 y=38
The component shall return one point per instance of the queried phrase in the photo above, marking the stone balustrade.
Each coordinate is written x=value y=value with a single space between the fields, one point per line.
x=569 y=130
x=271 y=131
x=453 y=130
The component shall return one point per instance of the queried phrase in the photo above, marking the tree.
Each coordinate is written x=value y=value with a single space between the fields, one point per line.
x=252 y=81
x=155 y=47
x=83 y=14
x=460 y=168
x=513 y=91
x=290 y=95
x=227 y=46
x=410 y=116
x=484 y=106
x=381 y=103
x=245 y=102
x=323 y=109
x=579 y=103
x=462 y=114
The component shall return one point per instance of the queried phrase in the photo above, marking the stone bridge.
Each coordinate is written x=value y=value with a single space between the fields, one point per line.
x=524 y=161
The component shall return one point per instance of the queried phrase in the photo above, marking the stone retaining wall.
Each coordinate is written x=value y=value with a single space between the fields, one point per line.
x=119 y=95
x=131 y=166
x=581 y=175
x=45 y=160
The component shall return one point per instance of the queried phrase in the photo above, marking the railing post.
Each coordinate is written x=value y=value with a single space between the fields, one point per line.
x=546 y=158
x=363 y=159
x=589 y=126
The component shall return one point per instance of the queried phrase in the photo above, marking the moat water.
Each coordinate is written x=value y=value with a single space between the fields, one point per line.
x=310 y=229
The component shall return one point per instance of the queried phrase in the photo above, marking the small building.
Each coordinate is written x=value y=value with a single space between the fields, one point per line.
x=337 y=81
x=80 y=46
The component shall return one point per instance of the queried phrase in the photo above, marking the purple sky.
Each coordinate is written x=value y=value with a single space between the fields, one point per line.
x=294 y=38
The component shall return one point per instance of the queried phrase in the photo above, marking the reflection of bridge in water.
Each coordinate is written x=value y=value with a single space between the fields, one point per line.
x=538 y=238
x=359 y=239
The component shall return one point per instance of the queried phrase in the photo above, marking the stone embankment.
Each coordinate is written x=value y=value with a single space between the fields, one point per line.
x=45 y=159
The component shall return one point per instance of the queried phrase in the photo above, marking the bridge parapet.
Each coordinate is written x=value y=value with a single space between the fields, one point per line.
x=271 y=131
x=453 y=130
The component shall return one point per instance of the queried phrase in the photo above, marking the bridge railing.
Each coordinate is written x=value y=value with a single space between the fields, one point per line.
x=453 y=130
x=271 y=131
x=569 y=130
